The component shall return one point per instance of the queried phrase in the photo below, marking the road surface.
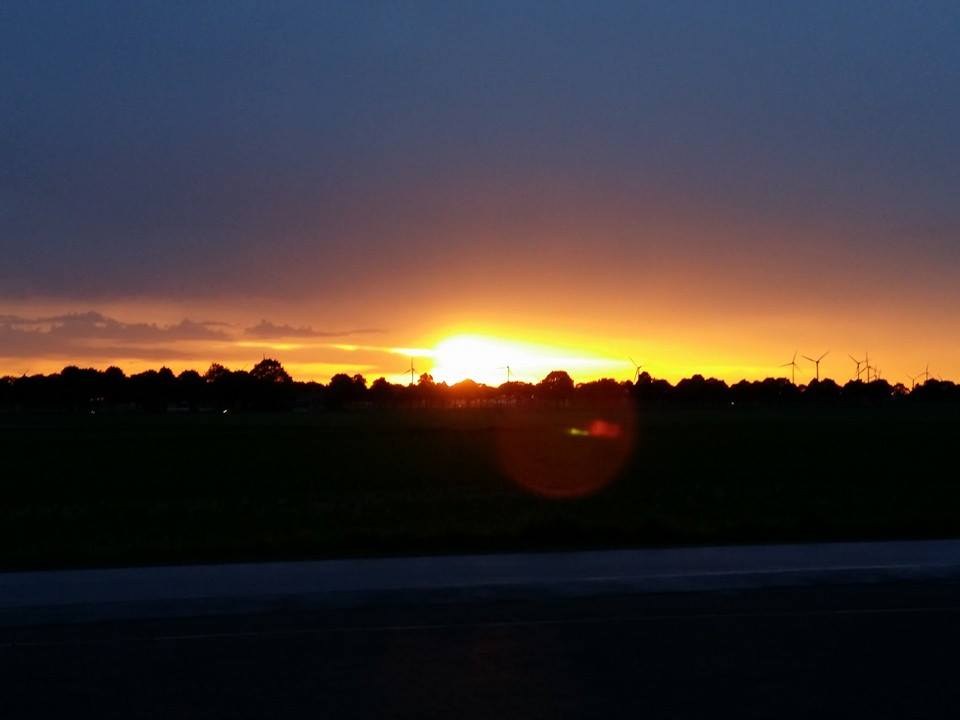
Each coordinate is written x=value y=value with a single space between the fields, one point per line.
x=878 y=651
x=883 y=648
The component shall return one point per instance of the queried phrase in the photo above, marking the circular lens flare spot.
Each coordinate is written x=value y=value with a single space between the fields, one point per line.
x=566 y=454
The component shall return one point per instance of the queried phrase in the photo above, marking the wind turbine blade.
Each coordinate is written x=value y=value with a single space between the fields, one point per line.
x=807 y=357
x=823 y=356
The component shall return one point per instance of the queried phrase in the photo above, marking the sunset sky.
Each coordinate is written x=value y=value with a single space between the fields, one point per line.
x=704 y=186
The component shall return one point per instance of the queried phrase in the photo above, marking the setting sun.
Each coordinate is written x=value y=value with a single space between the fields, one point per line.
x=486 y=360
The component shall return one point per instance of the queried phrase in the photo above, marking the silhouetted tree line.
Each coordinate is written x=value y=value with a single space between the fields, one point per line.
x=267 y=386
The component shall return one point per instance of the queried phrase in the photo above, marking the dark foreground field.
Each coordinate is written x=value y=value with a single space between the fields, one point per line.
x=125 y=489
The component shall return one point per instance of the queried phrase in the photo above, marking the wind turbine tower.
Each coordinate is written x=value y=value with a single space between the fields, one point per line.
x=793 y=368
x=817 y=362
x=859 y=363
x=412 y=371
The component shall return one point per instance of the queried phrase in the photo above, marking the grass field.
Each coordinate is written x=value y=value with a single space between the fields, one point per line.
x=83 y=490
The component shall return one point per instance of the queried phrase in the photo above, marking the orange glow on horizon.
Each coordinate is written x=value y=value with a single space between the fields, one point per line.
x=590 y=345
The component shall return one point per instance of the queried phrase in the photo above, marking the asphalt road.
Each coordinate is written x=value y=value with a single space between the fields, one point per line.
x=868 y=650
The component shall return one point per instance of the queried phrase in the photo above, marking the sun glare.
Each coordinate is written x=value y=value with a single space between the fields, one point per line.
x=491 y=360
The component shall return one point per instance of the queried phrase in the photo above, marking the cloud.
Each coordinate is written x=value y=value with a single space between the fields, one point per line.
x=268 y=330
x=92 y=334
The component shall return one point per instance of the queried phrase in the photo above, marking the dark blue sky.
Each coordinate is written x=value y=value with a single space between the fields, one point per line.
x=335 y=152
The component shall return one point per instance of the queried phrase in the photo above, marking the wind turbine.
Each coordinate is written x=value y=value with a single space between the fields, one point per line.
x=507 y=368
x=412 y=370
x=859 y=363
x=793 y=368
x=636 y=375
x=817 y=362
x=867 y=366
x=925 y=374
x=913 y=381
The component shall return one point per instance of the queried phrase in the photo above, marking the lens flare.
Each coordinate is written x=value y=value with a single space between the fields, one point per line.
x=572 y=456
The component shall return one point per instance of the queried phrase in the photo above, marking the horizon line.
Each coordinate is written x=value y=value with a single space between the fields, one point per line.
x=381 y=376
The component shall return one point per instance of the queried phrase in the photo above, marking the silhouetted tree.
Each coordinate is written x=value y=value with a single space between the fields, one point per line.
x=651 y=393
x=216 y=373
x=936 y=392
x=426 y=393
x=220 y=391
x=769 y=392
x=78 y=389
x=603 y=392
x=344 y=390
x=822 y=392
x=701 y=392
x=152 y=389
x=191 y=388
x=271 y=371
x=272 y=386
x=557 y=387
x=516 y=392
x=114 y=386
x=383 y=393
x=466 y=392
